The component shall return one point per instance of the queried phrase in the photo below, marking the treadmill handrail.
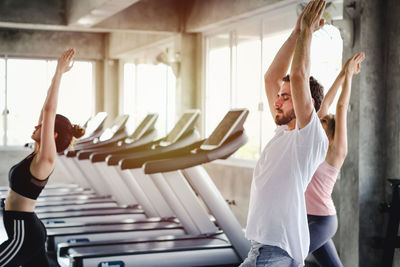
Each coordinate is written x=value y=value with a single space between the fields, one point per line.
x=108 y=143
x=110 y=146
x=230 y=146
x=99 y=156
x=114 y=158
x=138 y=159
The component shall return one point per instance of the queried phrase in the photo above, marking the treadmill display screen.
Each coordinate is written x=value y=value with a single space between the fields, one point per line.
x=223 y=130
x=144 y=126
x=110 y=132
x=181 y=127
x=94 y=124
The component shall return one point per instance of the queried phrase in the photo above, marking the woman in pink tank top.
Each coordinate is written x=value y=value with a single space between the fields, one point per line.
x=321 y=212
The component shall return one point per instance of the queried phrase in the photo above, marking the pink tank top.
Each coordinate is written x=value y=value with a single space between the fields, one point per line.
x=318 y=194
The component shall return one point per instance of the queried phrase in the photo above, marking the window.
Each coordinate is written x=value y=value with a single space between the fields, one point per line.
x=3 y=103
x=27 y=83
x=218 y=95
x=326 y=58
x=236 y=60
x=150 y=88
x=247 y=84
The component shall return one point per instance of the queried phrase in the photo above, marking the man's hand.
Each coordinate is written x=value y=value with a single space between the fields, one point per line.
x=64 y=61
x=312 y=13
x=298 y=23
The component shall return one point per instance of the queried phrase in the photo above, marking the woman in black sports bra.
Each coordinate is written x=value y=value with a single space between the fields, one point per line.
x=26 y=233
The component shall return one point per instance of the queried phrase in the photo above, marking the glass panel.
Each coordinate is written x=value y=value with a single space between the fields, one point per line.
x=2 y=101
x=271 y=45
x=151 y=93
x=128 y=93
x=27 y=88
x=325 y=66
x=26 y=95
x=277 y=28
x=76 y=98
x=247 y=81
x=171 y=86
x=218 y=97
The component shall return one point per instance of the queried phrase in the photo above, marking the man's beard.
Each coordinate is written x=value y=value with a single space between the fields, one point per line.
x=286 y=118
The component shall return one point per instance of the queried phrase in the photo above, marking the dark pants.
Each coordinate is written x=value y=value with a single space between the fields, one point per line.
x=322 y=229
x=26 y=240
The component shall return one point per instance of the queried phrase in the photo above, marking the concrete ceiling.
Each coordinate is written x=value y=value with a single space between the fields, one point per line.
x=134 y=16
x=150 y=16
x=138 y=16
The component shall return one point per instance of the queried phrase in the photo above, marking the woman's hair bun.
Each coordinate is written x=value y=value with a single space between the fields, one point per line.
x=77 y=131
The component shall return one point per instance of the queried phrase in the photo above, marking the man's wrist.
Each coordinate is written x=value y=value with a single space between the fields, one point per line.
x=295 y=33
x=306 y=31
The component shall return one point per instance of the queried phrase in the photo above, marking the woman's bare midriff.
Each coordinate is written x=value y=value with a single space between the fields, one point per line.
x=17 y=202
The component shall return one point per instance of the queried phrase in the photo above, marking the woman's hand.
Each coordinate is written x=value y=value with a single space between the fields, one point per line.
x=353 y=64
x=64 y=61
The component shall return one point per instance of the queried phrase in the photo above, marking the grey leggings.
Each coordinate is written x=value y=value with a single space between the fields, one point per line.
x=322 y=229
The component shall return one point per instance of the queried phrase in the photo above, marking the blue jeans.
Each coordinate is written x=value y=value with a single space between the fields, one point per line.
x=264 y=255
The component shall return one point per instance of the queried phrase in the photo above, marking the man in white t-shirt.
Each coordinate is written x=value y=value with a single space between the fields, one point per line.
x=277 y=221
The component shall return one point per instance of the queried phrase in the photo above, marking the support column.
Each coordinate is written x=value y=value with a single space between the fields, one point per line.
x=363 y=174
x=111 y=87
x=188 y=87
x=98 y=70
x=392 y=120
x=372 y=162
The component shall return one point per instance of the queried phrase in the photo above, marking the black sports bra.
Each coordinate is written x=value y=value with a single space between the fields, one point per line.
x=23 y=182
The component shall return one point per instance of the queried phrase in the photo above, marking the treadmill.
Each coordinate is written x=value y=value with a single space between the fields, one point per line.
x=94 y=126
x=216 y=243
x=116 y=132
x=93 y=129
x=109 y=136
x=164 y=223
x=144 y=133
x=182 y=134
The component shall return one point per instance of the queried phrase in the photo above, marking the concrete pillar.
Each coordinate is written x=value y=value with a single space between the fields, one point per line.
x=363 y=174
x=188 y=83
x=392 y=80
x=99 y=83
x=111 y=87
x=372 y=123
x=186 y=90
x=348 y=211
x=111 y=80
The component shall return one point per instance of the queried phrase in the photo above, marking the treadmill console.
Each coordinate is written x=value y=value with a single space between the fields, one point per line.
x=94 y=124
x=146 y=125
x=224 y=129
x=185 y=123
x=117 y=126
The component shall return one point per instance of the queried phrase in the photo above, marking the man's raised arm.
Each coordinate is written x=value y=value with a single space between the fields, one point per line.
x=279 y=67
x=300 y=70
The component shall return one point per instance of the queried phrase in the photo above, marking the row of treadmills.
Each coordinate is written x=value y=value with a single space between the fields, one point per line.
x=136 y=201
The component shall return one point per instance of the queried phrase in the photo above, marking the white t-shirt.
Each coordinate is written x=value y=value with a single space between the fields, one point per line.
x=277 y=210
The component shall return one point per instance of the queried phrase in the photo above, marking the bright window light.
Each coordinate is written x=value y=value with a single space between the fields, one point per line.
x=27 y=83
x=150 y=88
x=235 y=66
x=2 y=103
